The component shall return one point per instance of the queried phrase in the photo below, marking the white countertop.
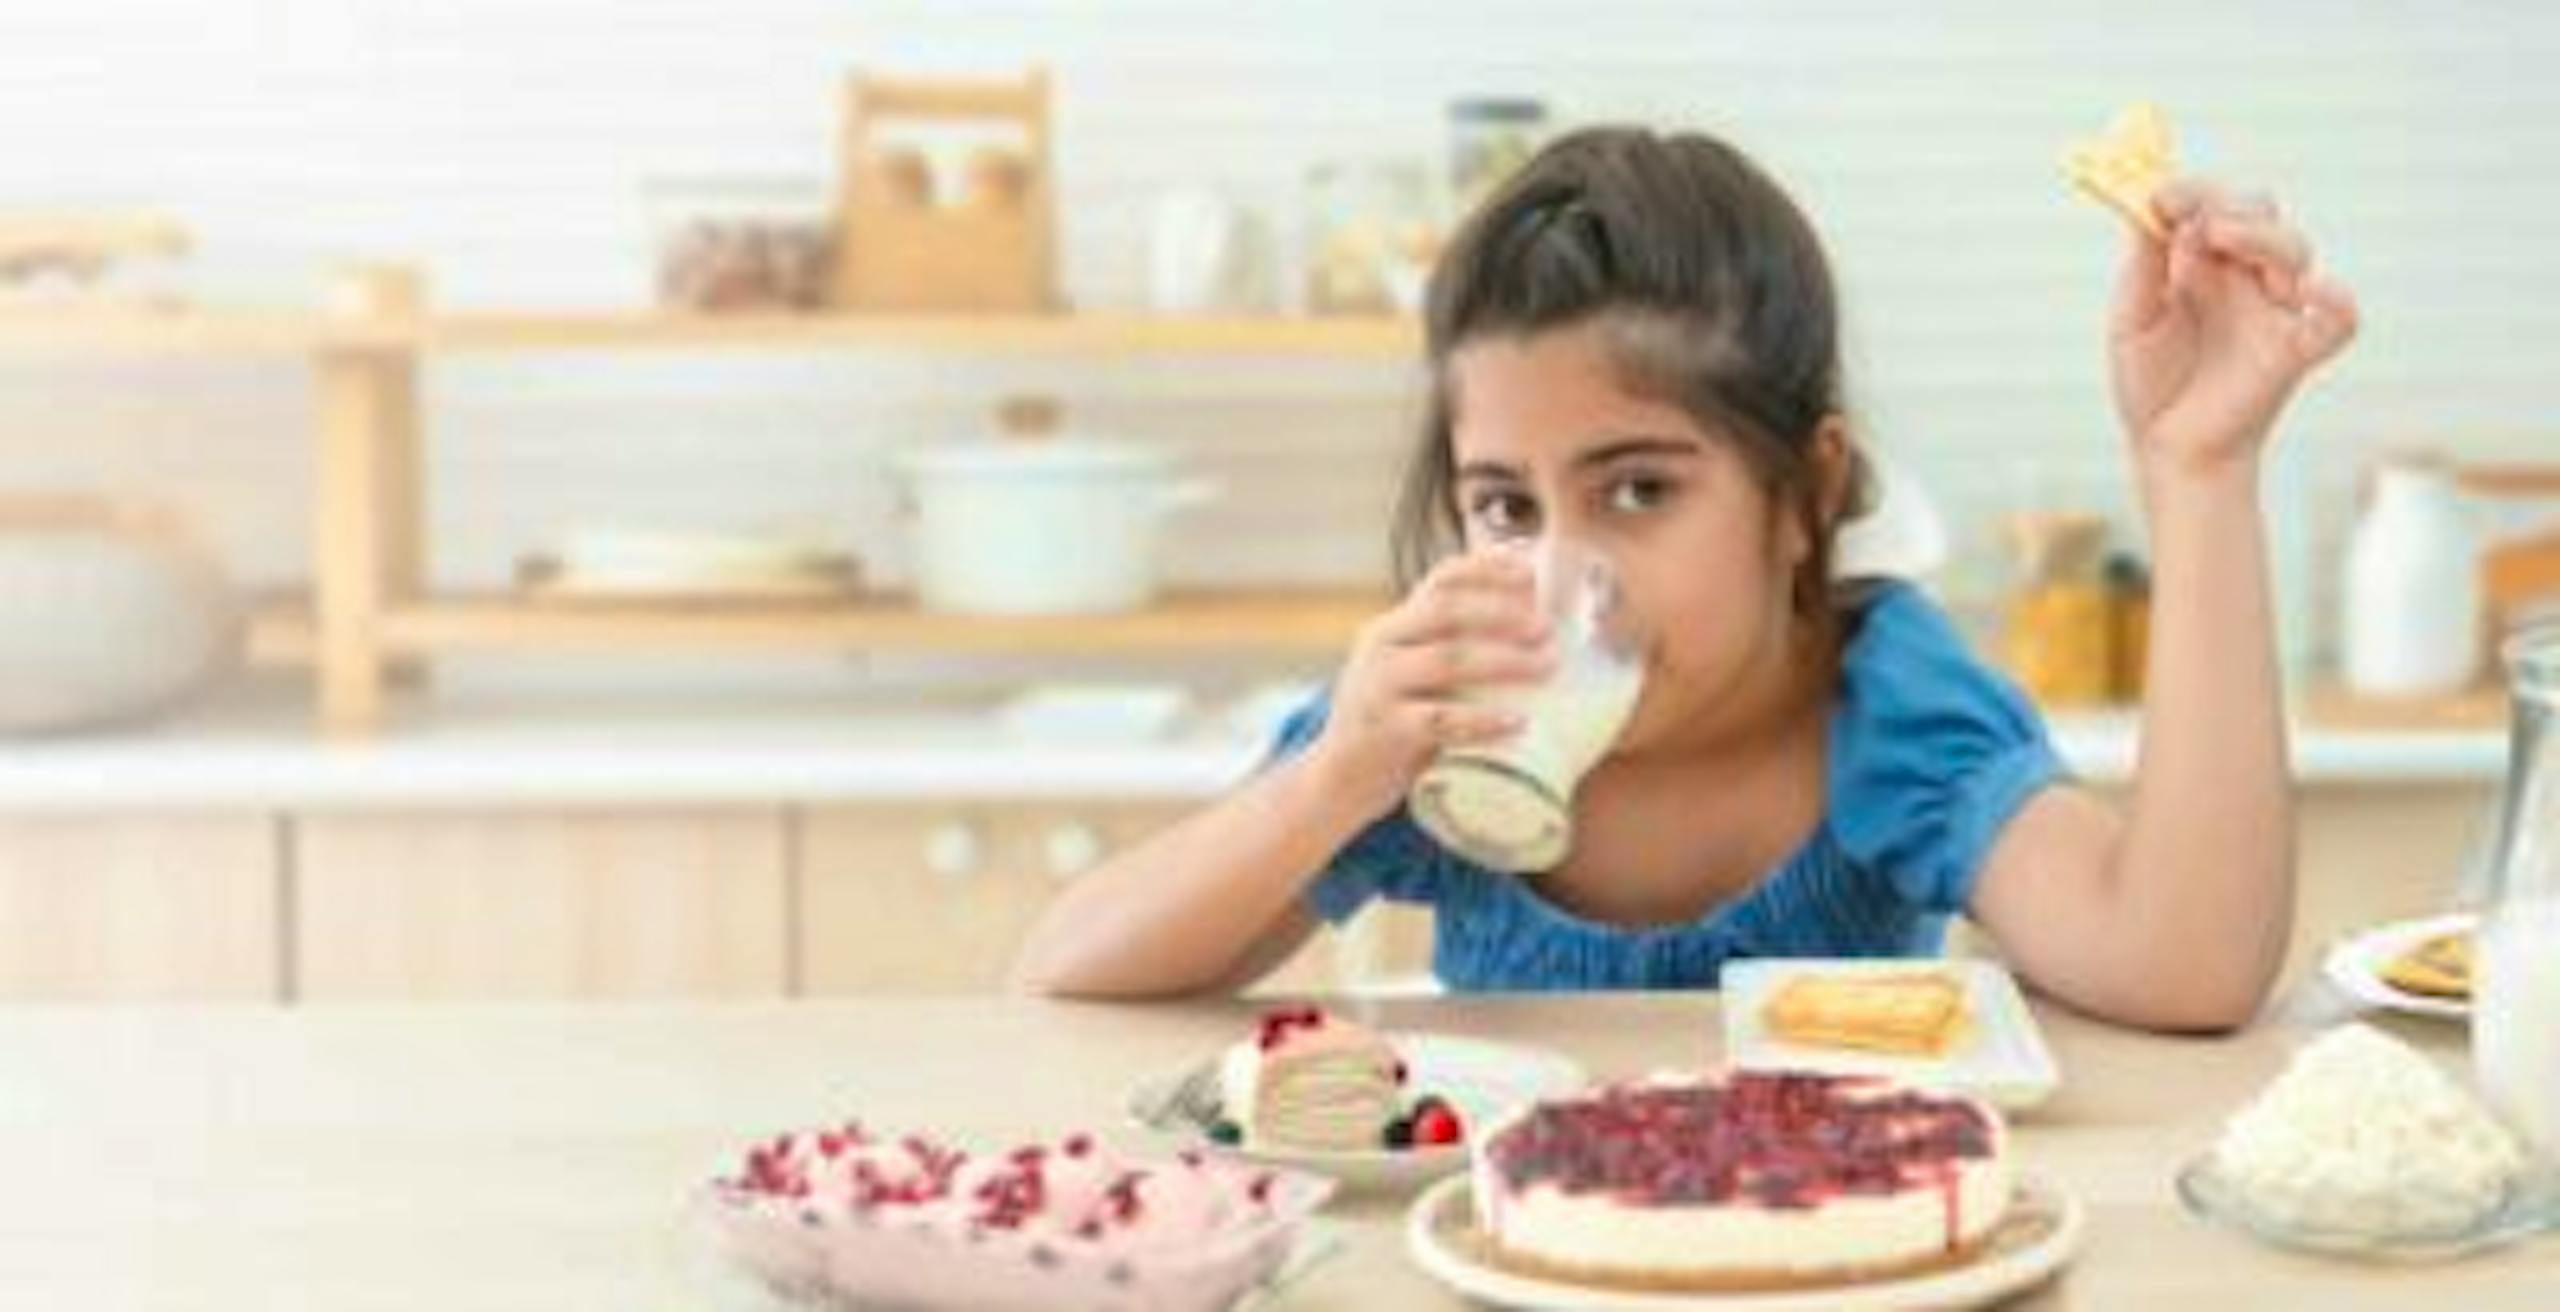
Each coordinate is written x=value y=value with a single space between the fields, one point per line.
x=257 y=750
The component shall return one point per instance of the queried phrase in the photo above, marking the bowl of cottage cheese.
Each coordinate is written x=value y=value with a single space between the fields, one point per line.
x=2364 y=1146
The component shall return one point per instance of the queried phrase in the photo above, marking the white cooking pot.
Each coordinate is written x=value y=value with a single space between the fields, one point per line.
x=1050 y=526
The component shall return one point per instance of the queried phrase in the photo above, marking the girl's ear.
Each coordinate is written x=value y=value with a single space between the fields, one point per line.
x=1831 y=460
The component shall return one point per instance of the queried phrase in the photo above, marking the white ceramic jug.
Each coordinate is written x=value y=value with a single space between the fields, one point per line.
x=2412 y=586
x=1204 y=255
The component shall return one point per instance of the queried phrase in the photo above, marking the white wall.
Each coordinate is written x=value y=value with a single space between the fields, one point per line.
x=504 y=143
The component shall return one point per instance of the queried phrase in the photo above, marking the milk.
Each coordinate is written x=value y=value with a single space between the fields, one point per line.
x=1509 y=805
x=2515 y=996
x=2515 y=1017
x=1569 y=721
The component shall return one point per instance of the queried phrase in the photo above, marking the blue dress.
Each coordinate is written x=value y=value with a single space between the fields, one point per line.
x=1930 y=754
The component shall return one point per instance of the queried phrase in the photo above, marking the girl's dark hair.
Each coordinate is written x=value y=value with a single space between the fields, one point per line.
x=1709 y=287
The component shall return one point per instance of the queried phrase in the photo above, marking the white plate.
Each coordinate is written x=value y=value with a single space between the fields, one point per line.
x=2003 y=1061
x=1481 y=1079
x=2040 y=1234
x=1095 y=712
x=2355 y=965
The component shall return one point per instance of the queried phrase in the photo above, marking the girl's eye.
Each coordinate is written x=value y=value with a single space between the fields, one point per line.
x=1505 y=514
x=1637 y=493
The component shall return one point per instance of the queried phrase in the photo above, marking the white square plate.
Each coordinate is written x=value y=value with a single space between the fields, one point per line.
x=2002 y=1060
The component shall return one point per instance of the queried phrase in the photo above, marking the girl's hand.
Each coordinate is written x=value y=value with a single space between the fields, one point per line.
x=1473 y=621
x=2214 y=326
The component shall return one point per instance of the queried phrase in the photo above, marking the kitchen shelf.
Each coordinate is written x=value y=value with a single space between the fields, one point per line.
x=234 y=332
x=1293 y=620
x=2330 y=704
x=1078 y=334
x=369 y=621
x=148 y=332
x=1200 y=621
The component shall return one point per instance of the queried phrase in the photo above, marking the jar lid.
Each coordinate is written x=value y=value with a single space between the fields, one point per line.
x=1504 y=109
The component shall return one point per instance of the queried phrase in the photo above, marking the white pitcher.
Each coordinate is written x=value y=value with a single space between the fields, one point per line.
x=2413 y=614
x=2515 y=1026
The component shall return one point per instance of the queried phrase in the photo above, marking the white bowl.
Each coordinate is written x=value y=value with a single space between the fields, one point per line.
x=110 y=611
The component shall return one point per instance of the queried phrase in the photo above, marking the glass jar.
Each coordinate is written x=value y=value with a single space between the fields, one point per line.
x=2515 y=1024
x=741 y=241
x=1372 y=236
x=2060 y=636
x=1488 y=140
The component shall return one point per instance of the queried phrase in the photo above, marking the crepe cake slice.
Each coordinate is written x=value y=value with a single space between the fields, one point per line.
x=1311 y=1080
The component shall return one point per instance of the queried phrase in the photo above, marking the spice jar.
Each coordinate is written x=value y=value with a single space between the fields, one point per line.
x=2129 y=600
x=2060 y=637
x=1373 y=237
x=740 y=242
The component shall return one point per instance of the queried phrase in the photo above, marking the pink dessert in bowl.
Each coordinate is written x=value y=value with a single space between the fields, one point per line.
x=852 y=1217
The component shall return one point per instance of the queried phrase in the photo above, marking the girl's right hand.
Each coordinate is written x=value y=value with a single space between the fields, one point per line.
x=1473 y=621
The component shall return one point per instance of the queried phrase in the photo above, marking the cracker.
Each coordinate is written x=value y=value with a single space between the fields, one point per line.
x=2438 y=967
x=1910 y=1012
x=2127 y=165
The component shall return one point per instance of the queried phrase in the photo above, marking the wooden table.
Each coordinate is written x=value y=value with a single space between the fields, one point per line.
x=471 y=1158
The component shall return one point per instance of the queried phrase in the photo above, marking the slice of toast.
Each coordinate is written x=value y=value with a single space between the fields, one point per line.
x=1917 y=1013
x=2124 y=166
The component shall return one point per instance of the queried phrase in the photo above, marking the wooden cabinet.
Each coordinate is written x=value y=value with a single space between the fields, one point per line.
x=131 y=908
x=935 y=899
x=767 y=902
x=580 y=904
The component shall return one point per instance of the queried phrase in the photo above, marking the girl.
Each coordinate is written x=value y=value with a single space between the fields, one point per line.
x=1635 y=345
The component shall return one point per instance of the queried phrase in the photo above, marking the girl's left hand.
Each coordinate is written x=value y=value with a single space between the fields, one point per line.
x=2215 y=326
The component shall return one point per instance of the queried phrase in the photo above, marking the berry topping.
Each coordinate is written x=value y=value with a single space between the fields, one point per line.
x=1436 y=1124
x=1278 y=1022
x=1786 y=1140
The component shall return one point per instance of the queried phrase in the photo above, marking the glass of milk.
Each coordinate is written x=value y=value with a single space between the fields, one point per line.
x=1508 y=805
x=2515 y=1022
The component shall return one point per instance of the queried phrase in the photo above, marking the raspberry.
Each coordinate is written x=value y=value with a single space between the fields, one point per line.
x=1436 y=1124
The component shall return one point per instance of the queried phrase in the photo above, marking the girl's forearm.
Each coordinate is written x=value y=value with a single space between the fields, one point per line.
x=2205 y=873
x=1182 y=909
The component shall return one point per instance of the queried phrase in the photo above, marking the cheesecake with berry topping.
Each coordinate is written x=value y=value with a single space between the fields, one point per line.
x=1755 y=1180
x=1310 y=1080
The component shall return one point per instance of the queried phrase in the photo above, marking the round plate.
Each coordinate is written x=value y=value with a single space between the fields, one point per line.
x=2039 y=1235
x=2532 y=1206
x=2355 y=965
x=1481 y=1078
